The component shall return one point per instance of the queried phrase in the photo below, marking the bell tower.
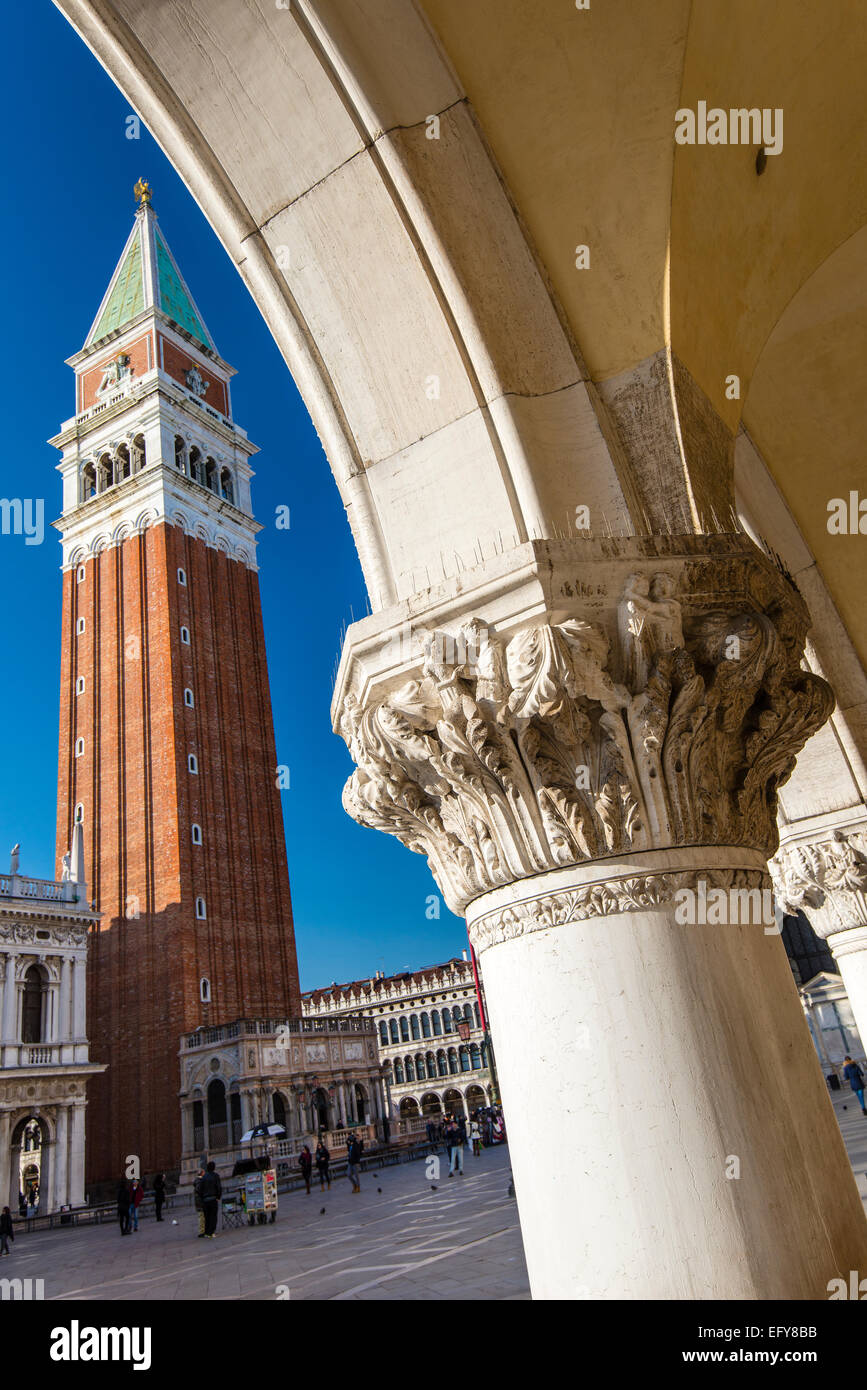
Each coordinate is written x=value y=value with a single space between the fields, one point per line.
x=167 y=750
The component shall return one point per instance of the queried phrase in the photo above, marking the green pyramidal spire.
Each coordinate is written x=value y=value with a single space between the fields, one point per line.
x=147 y=277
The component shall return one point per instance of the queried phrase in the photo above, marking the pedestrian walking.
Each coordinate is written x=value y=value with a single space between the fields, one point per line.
x=123 y=1206
x=22 y=1205
x=136 y=1193
x=456 y=1150
x=855 y=1076
x=159 y=1194
x=476 y=1138
x=210 y=1191
x=353 y=1159
x=305 y=1163
x=6 y=1231
x=323 y=1163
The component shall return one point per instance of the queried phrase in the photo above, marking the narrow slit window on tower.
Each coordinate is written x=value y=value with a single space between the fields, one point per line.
x=79 y=814
x=79 y=626
x=205 y=990
x=197 y=834
x=188 y=698
x=81 y=574
x=79 y=686
x=182 y=577
x=79 y=747
x=201 y=913
x=193 y=763
x=185 y=636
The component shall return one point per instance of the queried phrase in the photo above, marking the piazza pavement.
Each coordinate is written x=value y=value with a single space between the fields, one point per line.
x=402 y=1238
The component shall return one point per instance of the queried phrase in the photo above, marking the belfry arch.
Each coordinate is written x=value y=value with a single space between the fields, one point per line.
x=537 y=455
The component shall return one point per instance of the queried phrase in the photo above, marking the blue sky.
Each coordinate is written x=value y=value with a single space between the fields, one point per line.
x=360 y=898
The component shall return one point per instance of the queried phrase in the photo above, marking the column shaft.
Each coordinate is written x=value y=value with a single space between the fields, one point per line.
x=687 y=1043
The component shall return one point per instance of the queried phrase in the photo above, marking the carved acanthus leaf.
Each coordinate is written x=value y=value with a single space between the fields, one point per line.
x=510 y=755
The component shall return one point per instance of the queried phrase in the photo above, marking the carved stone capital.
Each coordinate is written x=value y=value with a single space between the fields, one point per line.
x=654 y=700
x=826 y=878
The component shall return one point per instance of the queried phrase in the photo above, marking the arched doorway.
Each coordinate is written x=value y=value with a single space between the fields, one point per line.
x=409 y=1108
x=320 y=1110
x=453 y=1102
x=278 y=1109
x=29 y=1168
x=217 y=1127
x=361 y=1105
x=475 y=1098
x=430 y=1104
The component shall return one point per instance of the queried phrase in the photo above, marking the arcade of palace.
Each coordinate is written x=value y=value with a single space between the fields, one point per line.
x=512 y=302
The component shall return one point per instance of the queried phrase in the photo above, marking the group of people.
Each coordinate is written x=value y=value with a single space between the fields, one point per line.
x=28 y=1206
x=130 y=1195
x=485 y=1127
x=323 y=1165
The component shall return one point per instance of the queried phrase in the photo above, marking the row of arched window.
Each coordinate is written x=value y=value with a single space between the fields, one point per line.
x=203 y=469
x=426 y=1066
x=432 y=1025
x=111 y=468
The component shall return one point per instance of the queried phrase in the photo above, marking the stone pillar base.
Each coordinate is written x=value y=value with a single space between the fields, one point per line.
x=670 y=1131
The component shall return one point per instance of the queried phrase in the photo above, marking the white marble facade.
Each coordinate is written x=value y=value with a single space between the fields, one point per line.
x=44 y=1056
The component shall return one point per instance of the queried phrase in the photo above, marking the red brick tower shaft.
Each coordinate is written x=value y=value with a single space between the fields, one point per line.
x=166 y=733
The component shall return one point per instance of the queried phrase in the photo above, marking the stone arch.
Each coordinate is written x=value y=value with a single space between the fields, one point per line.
x=453 y=1102
x=20 y=1122
x=87 y=480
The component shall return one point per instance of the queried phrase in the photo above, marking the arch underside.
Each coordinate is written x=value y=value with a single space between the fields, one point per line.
x=470 y=385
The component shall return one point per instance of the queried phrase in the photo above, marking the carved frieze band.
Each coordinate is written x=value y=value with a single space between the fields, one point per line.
x=672 y=722
x=627 y=894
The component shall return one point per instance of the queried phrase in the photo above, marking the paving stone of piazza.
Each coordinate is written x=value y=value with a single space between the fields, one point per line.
x=408 y=1242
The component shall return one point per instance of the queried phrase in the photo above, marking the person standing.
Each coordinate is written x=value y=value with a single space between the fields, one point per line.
x=136 y=1193
x=123 y=1206
x=159 y=1194
x=211 y=1190
x=6 y=1231
x=305 y=1163
x=323 y=1163
x=456 y=1150
x=476 y=1138
x=855 y=1076
x=353 y=1158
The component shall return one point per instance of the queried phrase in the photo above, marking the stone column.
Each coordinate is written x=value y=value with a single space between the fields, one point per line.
x=827 y=878
x=589 y=755
x=64 y=1022
x=10 y=1010
x=61 y=1159
x=7 y=1197
x=76 y=1153
x=341 y=1103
